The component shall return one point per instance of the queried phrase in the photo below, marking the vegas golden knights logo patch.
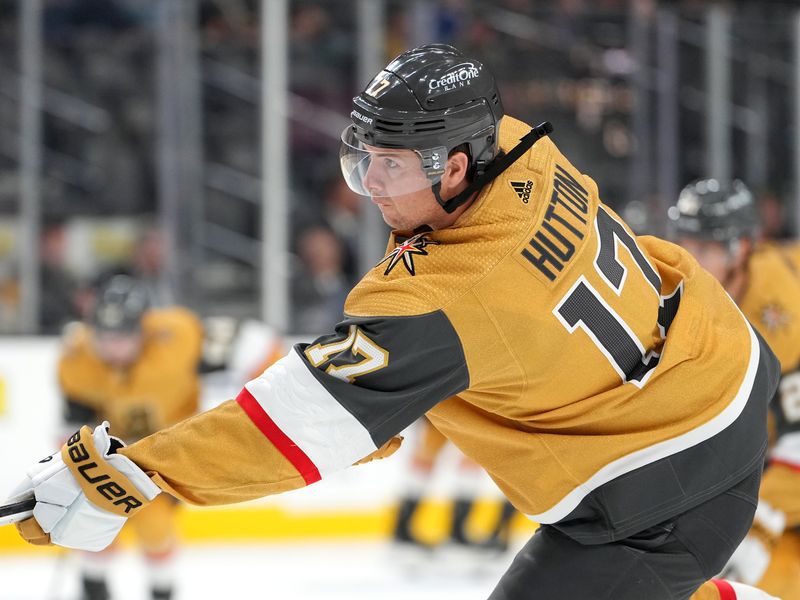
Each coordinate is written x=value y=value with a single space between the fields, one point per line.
x=522 y=189
x=405 y=251
x=774 y=317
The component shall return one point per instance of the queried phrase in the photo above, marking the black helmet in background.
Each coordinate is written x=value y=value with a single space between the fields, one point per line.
x=713 y=211
x=120 y=306
x=431 y=100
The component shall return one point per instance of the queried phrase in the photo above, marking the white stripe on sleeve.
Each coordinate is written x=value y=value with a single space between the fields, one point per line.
x=310 y=416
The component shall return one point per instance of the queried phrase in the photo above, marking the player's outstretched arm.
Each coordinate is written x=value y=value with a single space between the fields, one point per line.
x=85 y=492
x=318 y=410
x=217 y=457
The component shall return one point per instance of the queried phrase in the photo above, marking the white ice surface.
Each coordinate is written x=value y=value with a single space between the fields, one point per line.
x=329 y=571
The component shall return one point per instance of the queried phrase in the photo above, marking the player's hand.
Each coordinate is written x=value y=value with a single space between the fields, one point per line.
x=751 y=559
x=84 y=493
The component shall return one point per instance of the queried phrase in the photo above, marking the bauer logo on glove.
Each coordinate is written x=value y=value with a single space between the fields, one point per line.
x=84 y=493
x=100 y=482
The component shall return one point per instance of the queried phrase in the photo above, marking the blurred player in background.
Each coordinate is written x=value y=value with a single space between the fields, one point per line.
x=428 y=449
x=234 y=352
x=718 y=223
x=138 y=368
x=608 y=385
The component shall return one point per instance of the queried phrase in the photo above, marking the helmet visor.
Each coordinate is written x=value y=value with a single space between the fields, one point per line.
x=389 y=172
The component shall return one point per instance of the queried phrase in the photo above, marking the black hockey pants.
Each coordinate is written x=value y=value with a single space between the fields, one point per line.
x=666 y=562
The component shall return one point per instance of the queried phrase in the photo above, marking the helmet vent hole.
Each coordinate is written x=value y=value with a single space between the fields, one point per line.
x=387 y=129
x=433 y=125
x=389 y=126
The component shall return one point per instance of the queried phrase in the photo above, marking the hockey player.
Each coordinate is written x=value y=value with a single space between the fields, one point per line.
x=718 y=223
x=608 y=385
x=137 y=368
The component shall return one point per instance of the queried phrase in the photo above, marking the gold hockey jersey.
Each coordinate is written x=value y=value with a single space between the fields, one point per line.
x=772 y=303
x=159 y=389
x=772 y=300
x=604 y=381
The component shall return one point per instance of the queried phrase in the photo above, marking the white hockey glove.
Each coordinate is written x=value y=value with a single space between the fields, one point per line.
x=750 y=560
x=84 y=493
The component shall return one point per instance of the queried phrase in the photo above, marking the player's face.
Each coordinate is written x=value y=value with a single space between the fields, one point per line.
x=713 y=256
x=118 y=349
x=391 y=173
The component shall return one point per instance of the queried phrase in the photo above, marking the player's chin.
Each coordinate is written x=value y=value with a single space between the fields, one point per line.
x=390 y=217
x=392 y=223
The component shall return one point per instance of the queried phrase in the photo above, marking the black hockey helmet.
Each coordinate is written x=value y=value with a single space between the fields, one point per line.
x=430 y=99
x=709 y=210
x=120 y=306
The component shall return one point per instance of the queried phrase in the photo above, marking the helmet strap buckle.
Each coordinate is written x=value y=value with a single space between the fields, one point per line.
x=492 y=169
x=434 y=161
x=480 y=167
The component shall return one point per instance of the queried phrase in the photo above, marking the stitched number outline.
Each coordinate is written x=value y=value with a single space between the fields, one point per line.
x=583 y=307
x=359 y=344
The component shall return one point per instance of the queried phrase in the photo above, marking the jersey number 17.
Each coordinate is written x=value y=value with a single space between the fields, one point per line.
x=583 y=306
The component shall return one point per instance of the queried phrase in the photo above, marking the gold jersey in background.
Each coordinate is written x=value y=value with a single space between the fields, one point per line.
x=772 y=300
x=159 y=389
x=772 y=303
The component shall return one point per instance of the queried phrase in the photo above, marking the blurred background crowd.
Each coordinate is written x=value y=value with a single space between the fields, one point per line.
x=143 y=150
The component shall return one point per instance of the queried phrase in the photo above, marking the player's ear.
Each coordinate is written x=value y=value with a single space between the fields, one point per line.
x=456 y=172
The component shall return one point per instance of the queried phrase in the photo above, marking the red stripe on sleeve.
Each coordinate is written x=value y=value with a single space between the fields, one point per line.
x=293 y=453
x=725 y=589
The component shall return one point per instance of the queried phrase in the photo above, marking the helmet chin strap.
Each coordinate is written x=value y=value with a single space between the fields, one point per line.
x=495 y=168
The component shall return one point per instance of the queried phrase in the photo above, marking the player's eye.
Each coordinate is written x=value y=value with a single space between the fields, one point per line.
x=390 y=163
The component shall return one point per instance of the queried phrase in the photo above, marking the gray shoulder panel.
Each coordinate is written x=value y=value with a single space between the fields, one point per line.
x=423 y=363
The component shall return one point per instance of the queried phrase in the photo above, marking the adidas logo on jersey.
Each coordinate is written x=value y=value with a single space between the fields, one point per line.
x=522 y=189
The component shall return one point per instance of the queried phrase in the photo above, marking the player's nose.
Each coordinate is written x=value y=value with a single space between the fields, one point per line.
x=373 y=181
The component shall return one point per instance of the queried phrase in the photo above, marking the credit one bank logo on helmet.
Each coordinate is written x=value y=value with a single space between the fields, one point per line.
x=458 y=78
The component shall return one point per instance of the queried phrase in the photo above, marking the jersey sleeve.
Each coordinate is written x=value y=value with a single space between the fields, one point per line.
x=321 y=408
